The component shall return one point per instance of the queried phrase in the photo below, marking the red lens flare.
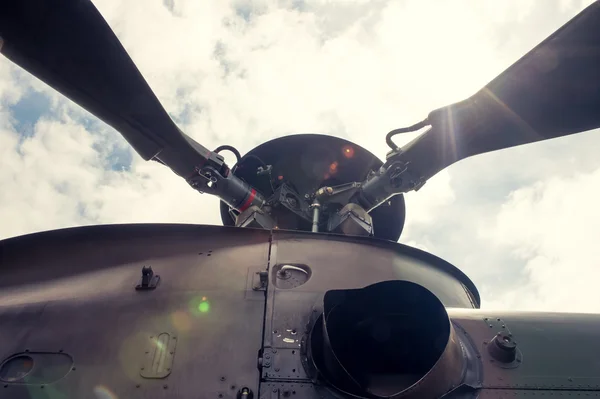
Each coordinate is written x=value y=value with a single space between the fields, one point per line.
x=348 y=151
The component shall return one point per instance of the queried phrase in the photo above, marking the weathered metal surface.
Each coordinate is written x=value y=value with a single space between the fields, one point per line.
x=73 y=291
x=557 y=351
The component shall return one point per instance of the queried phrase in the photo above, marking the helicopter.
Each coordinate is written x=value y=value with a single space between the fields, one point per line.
x=304 y=291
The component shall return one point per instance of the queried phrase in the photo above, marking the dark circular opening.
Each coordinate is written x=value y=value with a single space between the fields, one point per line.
x=379 y=340
x=16 y=368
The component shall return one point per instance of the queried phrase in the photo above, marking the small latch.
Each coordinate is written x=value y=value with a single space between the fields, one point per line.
x=261 y=284
x=149 y=280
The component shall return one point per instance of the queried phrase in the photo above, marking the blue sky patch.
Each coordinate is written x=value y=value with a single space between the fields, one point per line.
x=30 y=108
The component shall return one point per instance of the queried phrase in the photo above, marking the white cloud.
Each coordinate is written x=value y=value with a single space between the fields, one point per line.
x=242 y=72
x=553 y=228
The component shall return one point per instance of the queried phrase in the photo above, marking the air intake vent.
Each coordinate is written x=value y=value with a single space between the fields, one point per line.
x=391 y=339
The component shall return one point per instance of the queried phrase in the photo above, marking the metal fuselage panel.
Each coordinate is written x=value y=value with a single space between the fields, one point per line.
x=223 y=325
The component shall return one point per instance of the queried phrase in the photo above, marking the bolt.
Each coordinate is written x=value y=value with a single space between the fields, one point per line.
x=274 y=390
x=276 y=368
x=137 y=385
x=232 y=387
x=165 y=386
x=141 y=368
x=171 y=352
x=73 y=369
x=274 y=350
x=60 y=351
x=220 y=395
x=223 y=378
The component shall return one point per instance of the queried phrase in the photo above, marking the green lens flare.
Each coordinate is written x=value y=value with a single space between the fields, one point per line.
x=204 y=307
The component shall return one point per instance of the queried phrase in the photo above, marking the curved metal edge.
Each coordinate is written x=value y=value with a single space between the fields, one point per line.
x=397 y=247
x=120 y=231
x=444 y=376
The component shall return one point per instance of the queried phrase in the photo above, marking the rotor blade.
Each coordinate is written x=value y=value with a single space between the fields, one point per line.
x=552 y=91
x=68 y=45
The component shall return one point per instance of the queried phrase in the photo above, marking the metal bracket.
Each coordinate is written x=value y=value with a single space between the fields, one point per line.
x=149 y=280
x=501 y=348
x=260 y=280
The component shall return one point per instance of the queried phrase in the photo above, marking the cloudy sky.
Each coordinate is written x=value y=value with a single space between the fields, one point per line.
x=522 y=223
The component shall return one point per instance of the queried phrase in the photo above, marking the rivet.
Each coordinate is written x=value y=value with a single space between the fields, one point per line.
x=73 y=369
x=171 y=352
x=220 y=395
x=274 y=350
x=137 y=385
x=232 y=387
x=165 y=386
x=274 y=390
x=223 y=378
x=276 y=368
x=60 y=351
x=42 y=387
x=141 y=368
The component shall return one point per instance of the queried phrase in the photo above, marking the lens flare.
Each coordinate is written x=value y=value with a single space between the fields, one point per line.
x=181 y=320
x=199 y=305
x=333 y=168
x=204 y=307
x=348 y=151
x=102 y=392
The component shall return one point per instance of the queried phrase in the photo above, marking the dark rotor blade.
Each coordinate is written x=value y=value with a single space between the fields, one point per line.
x=552 y=91
x=68 y=45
